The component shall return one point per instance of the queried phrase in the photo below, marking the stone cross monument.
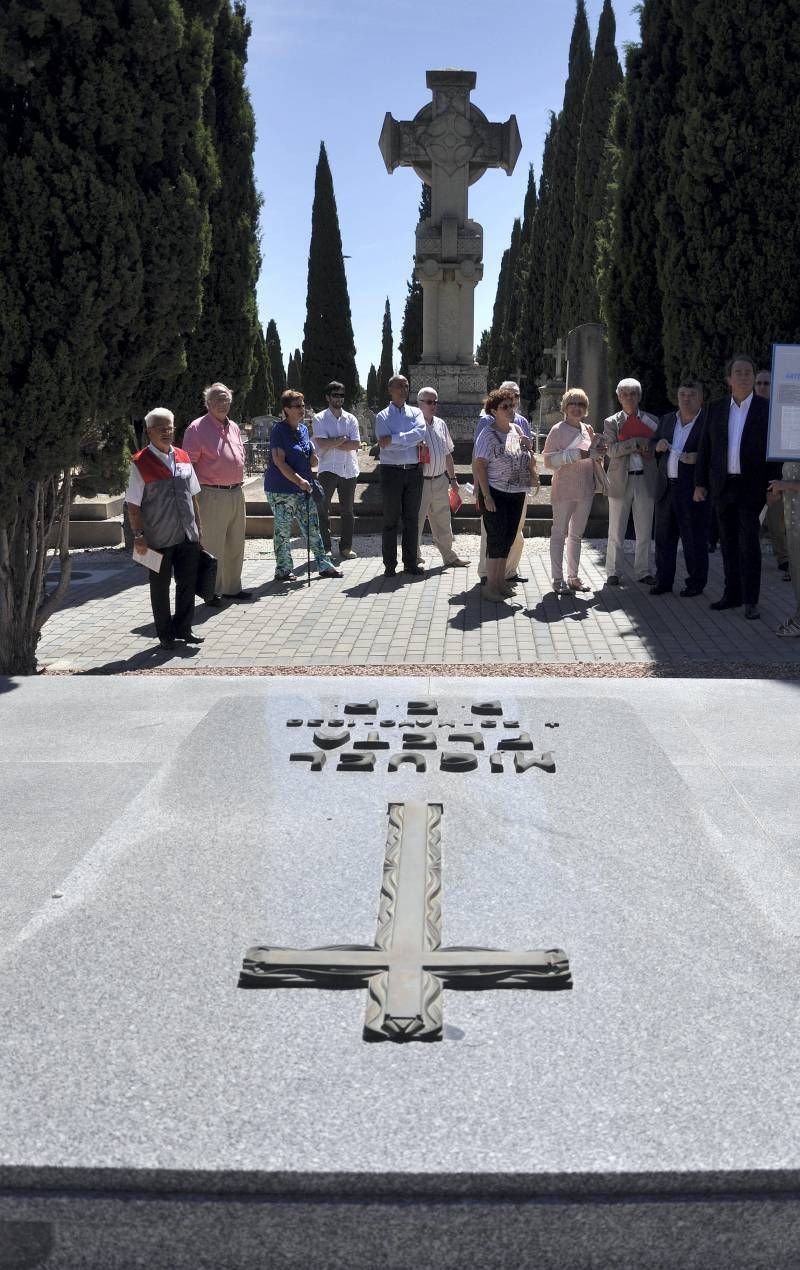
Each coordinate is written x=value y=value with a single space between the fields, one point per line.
x=450 y=144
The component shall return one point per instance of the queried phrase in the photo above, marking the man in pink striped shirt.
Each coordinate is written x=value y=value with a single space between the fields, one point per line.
x=214 y=444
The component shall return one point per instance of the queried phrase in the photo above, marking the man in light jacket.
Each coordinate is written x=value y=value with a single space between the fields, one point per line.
x=632 y=475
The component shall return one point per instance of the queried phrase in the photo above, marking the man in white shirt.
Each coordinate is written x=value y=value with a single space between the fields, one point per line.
x=678 y=516
x=732 y=466
x=438 y=476
x=338 y=441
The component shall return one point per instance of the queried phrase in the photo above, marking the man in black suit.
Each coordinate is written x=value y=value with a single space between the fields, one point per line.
x=732 y=465
x=677 y=514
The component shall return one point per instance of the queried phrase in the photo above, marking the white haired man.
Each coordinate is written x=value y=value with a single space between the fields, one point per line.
x=164 y=514
x=214 y=445
x=438 y=474
x=515 y=554
x=632 y=476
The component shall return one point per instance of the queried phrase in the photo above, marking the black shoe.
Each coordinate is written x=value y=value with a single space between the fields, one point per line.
x=191 y=638
x=331 y=573
x=689 y=591
x=712 y=546
x=241 y=597
x=516 y=577
x=783 y=565
x=660 y=590
x=216 y=602
x=725 y=603
x=168 y=643
x=413 y=568
x=280 y=576
x=612 y=579
x=390 y=573
x=751 y=612
x=648 y=580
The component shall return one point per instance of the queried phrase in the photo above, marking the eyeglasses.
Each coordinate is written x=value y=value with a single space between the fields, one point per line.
x=336 y=396
x=428 y=401
x=762 y=383
x=296 y=405
x=506 y=405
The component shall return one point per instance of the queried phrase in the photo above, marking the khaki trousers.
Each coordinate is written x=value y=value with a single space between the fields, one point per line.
x=777 y=530
x=435 y=507
x=619 y=509
x=515 y=554
x=222 y=513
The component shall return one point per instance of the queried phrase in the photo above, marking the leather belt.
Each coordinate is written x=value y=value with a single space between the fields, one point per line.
x=239 y=486
x=636 y=474
x=434 y=478
x=404 y=467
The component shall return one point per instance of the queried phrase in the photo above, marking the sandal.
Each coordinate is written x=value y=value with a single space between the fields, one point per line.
x=790 y=629
x=577 y=584
x=560 y=587
x=280 y=576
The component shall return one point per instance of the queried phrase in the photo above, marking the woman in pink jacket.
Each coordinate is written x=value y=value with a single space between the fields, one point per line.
x=570 y=452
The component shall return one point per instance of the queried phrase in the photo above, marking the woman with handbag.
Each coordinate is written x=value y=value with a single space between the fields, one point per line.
x=288 y=481
x=504 y=469
x=574 y=454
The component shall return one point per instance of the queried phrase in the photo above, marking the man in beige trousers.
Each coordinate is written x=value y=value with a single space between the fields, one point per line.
x=214 y=445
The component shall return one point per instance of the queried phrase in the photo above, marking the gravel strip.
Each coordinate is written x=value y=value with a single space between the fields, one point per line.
x=478 y=670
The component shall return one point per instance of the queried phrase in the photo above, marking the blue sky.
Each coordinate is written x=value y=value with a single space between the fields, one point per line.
x=328 y=71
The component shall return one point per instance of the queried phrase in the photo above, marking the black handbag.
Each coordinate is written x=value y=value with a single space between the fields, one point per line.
x=206 y=580
x=317 y=492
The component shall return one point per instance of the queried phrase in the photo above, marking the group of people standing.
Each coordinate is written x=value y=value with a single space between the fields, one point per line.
x=670 y=471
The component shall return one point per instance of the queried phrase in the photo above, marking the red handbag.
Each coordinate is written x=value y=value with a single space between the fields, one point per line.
x=455 y=498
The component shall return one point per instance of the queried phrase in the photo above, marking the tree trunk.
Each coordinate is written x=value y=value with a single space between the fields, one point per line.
x=24 y=535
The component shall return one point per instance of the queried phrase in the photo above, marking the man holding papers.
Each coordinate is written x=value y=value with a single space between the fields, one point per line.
x=162 y=505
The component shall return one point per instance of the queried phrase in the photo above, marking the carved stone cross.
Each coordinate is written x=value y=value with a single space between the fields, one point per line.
x=450 y=144
x=406 y=970
x=559 y=353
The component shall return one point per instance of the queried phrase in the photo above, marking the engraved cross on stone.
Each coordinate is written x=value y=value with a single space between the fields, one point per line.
x=406 y=970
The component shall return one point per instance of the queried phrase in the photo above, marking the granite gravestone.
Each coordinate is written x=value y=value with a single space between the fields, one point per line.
x=587 y=368
x=450 y=144
x=155 y=1114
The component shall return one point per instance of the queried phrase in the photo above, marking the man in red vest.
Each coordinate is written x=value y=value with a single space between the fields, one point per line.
x=162 y=505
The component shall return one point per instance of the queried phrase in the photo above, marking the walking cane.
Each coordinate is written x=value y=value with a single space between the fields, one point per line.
x=308 y=538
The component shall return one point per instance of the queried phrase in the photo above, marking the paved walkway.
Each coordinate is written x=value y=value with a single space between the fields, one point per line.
x=439 y=619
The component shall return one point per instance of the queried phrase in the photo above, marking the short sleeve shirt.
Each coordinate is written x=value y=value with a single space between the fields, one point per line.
x=297 y=447
x=508 y=465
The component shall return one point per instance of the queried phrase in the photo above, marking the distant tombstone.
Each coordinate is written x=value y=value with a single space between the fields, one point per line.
x=587 y=368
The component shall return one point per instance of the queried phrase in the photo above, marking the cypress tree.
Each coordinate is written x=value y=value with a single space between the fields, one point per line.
x=221 y=345
x=581 y=302
x=562 y=189
x=482 y=351
x=294 y=377
x=328 y=347
x=410 y=345
x=728 y=208
x=372 y=388
x=498 y=317
x=628 y=240
x=506 y=367
x=529 y=342
x=277 y=372
x=107 y=171
x=385 y=366
x=261 y=397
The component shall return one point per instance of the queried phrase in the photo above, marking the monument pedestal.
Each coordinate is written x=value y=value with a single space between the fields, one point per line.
x=462 y=392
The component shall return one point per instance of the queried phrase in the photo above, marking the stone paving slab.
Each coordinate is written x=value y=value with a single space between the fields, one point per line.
x=439 y=619
x=154 y=1115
